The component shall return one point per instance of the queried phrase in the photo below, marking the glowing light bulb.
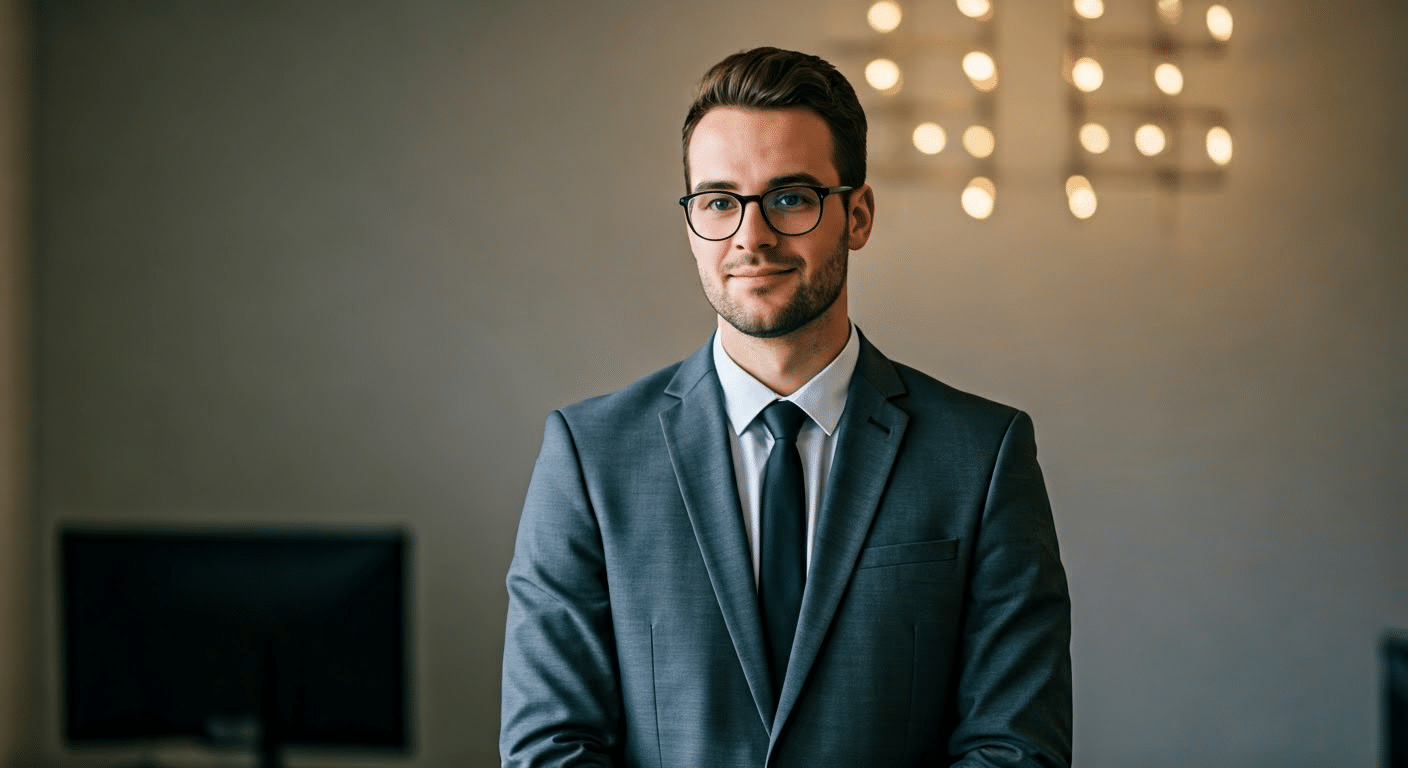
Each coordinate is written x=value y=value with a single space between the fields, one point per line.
x=1080 y=196
x=1094 y=138
x=1171 y=10
x=883 y=75
x=929 y=138
x=981 y=70
x=1074 y=182
x=1169 y=78
x=975 y=9
x=1220 y=23
x=1087 y=74
x=884 y=16
x=1219 y=145
x=1149 y=139
x=979 y=66
x=1090 y=9
x=979 y=141
x=979 y=198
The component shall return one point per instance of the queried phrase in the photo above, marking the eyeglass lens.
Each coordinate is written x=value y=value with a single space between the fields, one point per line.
x=789 y=210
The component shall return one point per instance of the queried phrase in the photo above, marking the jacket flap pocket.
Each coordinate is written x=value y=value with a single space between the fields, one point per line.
x=913 y=552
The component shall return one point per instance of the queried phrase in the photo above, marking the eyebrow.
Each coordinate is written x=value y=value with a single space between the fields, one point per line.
x=773 y=183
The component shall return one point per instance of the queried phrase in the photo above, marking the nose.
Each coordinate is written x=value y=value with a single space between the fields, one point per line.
x=754 y=233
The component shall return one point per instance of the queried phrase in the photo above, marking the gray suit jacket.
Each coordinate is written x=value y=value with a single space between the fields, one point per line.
x=935 y=625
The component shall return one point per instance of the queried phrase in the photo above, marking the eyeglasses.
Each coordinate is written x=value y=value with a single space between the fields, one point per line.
x=792 y=210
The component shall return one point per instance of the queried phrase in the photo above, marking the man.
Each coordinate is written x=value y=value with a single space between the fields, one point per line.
x=865 y=574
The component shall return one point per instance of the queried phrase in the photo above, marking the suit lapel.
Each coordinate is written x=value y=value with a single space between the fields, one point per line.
x=703 y=463
x=869 y=437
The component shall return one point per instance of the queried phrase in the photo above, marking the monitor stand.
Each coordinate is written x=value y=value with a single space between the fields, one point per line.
x=259 y=730
x=269 y=714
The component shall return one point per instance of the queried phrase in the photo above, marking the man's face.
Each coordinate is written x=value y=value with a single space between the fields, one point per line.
x=762 y=283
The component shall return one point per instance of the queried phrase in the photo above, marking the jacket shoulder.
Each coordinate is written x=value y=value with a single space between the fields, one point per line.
x=927 y=396
x=637 y=402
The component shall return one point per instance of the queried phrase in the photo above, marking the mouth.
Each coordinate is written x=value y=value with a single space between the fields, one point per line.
x=756 y=274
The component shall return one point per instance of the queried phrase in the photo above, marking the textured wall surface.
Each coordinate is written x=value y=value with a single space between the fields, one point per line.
x=15 y=517
x=333 y=262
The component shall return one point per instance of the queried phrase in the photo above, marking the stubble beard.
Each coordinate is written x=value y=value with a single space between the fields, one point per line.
x=808 y=302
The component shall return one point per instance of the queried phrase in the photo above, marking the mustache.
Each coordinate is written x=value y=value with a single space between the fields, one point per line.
x=759 y=261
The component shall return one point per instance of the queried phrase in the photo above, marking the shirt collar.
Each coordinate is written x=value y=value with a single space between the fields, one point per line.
x=823 y=398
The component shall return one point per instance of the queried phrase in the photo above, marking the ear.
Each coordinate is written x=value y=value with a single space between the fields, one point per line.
x=862 y=217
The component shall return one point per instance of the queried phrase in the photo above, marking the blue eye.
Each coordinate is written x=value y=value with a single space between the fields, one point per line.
x=792 y=199
x=718 y=204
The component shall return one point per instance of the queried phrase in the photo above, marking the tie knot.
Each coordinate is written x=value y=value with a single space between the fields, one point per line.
x=784 y=419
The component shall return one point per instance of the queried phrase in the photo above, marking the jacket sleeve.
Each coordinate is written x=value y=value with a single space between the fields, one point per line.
x=1013 y=693
x=561 y=692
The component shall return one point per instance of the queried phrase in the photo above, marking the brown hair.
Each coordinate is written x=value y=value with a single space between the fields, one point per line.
x=771 y=78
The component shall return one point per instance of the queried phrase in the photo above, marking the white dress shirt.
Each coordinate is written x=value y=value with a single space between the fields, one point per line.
x=823 y=398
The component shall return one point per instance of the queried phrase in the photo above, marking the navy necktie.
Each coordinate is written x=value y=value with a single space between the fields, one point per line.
x=783 y=570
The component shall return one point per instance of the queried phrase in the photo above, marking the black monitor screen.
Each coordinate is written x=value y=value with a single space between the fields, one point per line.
x=280 y=638
x=1396 y=700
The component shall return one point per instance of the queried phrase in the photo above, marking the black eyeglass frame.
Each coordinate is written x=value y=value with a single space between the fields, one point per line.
x=744 y=200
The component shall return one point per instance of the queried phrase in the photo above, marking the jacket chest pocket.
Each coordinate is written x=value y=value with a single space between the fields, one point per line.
x=912 y=553
x=911 y=584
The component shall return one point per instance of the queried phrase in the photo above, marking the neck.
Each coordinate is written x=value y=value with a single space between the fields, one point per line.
x=785 y=363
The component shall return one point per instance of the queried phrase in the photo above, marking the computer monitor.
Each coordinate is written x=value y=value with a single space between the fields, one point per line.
x=262 y=637
x=1396 y=700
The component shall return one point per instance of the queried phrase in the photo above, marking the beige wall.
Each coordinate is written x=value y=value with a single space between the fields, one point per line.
x=334 y=262
x=14 y=390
